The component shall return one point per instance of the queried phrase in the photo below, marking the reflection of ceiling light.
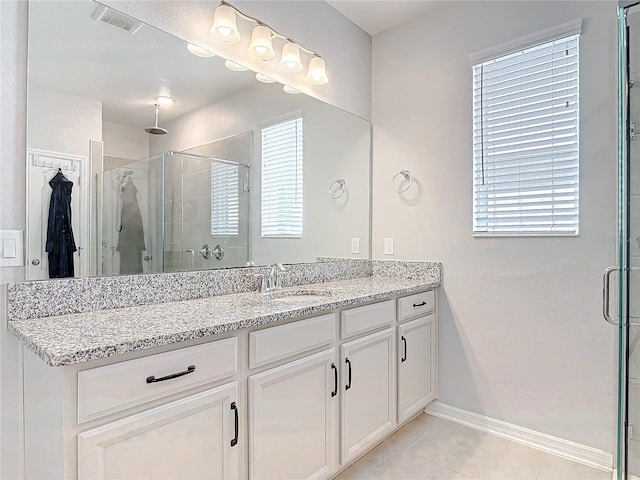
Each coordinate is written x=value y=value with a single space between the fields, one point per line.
x=164 y=100
x=236 y=67
x=291 y=90
x=263 y=78
x=199 y=51
x=224 y=29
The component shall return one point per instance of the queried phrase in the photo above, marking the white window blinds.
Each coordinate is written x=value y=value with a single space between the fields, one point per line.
x=525 y=141
x=225 y=199
x=282 y=179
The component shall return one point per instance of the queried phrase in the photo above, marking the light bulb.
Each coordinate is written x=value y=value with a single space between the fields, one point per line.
x=224 y=31
x=263 y=78
x=199 y=51
x=164 y=100
x=261 y=50
x=291 y=90
x=236 y=67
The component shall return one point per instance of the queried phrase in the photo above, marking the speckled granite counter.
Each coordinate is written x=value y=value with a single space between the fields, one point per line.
x=76 y=338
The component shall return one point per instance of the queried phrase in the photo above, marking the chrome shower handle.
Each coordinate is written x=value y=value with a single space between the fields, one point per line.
x=605 y=293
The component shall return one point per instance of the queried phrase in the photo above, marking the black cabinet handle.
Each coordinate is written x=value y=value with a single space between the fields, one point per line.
x=234 y=407
x=348 y=362
x=419 y=304
x=404 y=344
x=190 y=369
x=335 y=380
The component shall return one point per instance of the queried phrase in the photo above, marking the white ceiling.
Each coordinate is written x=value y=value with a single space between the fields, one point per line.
x=375 y=16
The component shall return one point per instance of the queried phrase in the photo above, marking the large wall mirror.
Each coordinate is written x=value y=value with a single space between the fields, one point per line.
x=234 y=172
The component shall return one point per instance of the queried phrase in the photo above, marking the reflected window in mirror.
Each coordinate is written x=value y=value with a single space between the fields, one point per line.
x=282 y=179
x=225 y=200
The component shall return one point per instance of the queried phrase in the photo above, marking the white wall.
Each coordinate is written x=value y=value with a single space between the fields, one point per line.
x=124 y=141
x=63 y=123
x=315 y=24
x=13 y=86
x=522 y=338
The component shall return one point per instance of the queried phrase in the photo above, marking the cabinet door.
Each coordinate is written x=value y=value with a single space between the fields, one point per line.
x=292 y=419
x=416 y=366
x=189 y=438
x=368 y=392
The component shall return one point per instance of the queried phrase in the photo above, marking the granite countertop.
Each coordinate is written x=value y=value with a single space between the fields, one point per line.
x=70 y=339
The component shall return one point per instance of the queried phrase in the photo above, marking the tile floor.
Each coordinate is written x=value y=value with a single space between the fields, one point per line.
x=432 y=448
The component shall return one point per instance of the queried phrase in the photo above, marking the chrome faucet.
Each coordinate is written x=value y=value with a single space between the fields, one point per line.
x=273 y=281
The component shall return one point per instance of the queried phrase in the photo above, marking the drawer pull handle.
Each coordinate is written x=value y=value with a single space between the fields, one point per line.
x=190 y=369
x=335 y=380
x=234 y=440
x=348 y=362
x=404 y=355
x=419 y=304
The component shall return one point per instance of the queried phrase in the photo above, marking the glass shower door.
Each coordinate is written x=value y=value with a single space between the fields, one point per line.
x=627 y=315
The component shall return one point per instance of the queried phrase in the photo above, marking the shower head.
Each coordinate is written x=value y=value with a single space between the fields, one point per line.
x=156 y=130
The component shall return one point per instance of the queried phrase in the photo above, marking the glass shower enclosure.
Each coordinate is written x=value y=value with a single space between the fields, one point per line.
x=171 y=212
x=624 y=312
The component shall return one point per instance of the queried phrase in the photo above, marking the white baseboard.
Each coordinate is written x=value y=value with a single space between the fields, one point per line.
x=540 y=441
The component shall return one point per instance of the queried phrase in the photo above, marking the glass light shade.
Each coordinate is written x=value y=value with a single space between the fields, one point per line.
x=164 y=100
x=291 y=90
x=261 y=46
x=290 y=58
x=236 y=67
x=199 y=51
x=317 y=74
x=264 y=79
x=224 y=29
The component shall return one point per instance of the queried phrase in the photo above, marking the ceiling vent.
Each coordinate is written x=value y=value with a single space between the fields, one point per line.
x=116 y=19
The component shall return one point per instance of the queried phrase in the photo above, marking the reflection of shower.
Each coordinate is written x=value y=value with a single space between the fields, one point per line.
x=156 y=130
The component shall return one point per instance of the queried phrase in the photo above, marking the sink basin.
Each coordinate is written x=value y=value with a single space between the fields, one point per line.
x=300 y=295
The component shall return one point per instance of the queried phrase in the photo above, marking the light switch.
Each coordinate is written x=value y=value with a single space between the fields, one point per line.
x=11 y=248
x=388 y=246
x=355 y=245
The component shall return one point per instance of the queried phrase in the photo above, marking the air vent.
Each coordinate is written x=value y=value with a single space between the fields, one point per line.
x=116 y=19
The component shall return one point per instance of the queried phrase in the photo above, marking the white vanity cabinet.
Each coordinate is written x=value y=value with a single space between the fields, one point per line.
x=293 y=408
x=417 y=353
x=368 y=392
x=194 y=437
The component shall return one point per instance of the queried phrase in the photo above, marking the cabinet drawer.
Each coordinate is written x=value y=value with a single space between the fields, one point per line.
x=112 y=388
x=415 y=305
x=276 y=343
x=367 y=318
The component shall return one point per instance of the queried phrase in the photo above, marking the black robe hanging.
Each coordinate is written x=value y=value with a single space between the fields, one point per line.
x=60 y=242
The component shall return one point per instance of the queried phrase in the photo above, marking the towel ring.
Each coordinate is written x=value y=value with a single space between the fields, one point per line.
x=337 y=191
x=407 y=176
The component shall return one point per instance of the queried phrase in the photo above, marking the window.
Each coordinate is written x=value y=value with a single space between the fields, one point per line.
x=525 y=141
x=282 y=179
x=225 y=199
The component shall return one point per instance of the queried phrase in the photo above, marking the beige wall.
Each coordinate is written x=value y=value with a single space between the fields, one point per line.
x=521 y=335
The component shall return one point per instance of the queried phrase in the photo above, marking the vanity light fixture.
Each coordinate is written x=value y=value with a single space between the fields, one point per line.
x=316 y=74
x=199 y=51
x=225 y=30
x=261 y=46
x=290 y=58
x=236 y=67
x=291 y=90
x=264 y=79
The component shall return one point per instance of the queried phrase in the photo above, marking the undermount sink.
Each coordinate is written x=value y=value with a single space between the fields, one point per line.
x=299 y=295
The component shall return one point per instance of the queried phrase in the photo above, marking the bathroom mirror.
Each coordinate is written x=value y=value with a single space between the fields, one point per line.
x=233 y=172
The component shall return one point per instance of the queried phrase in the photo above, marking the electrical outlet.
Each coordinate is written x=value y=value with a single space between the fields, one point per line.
x=355 y=245
x=388 y=246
